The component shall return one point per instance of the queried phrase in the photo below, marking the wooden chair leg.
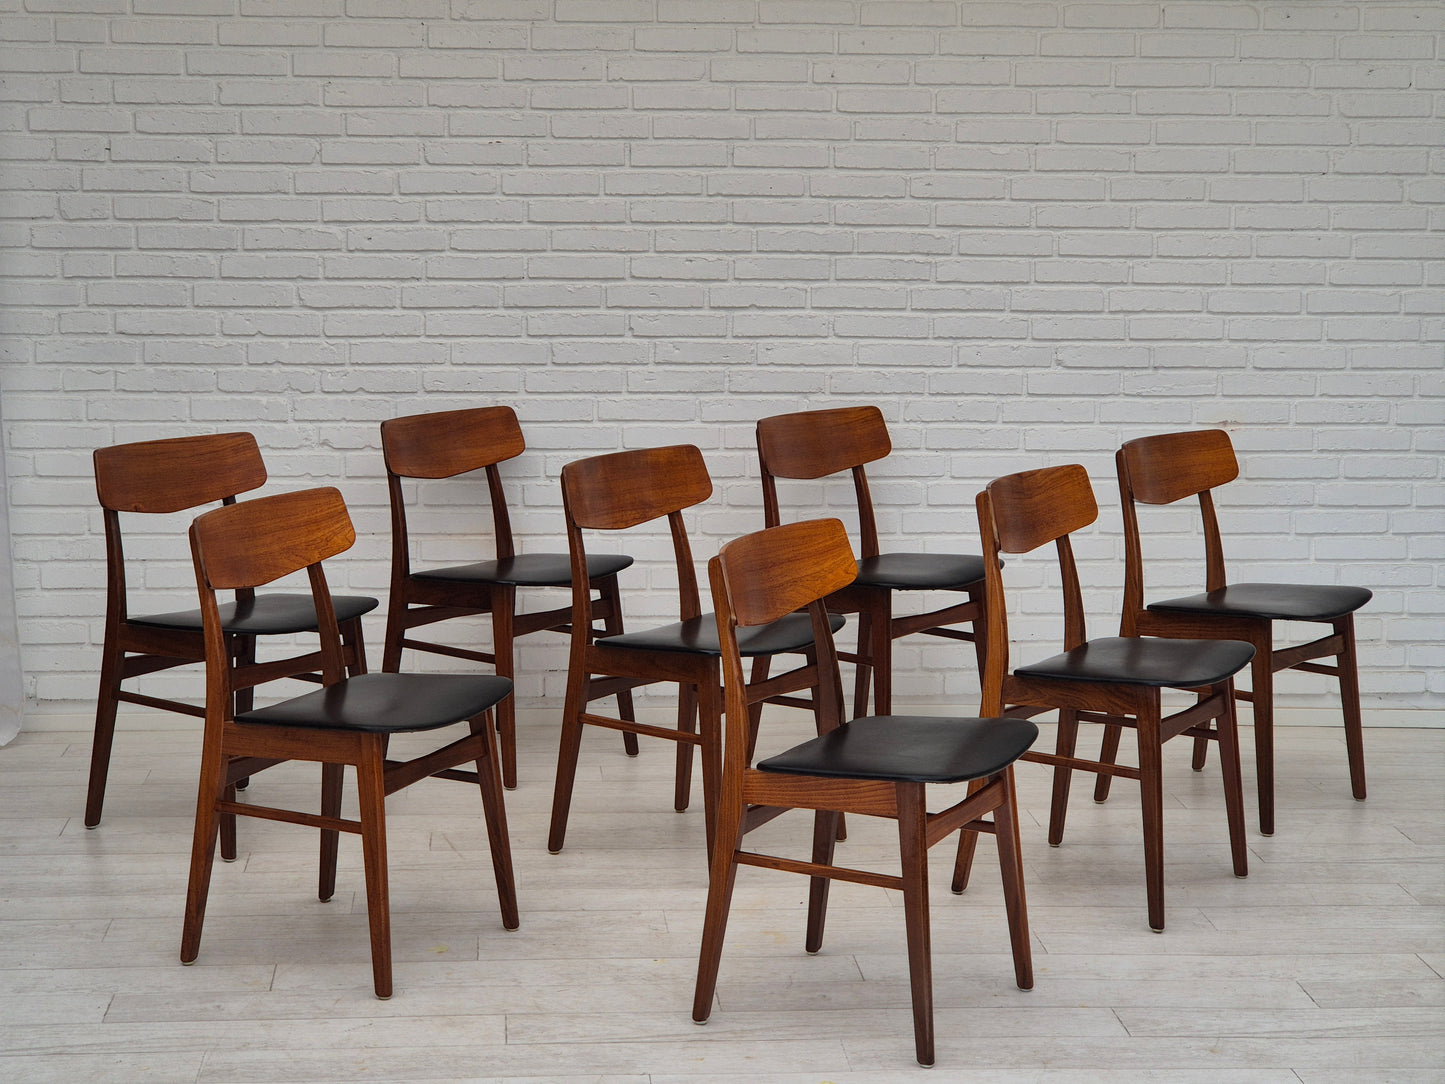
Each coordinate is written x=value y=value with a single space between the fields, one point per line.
x=1350 y=704
x=1011 y=867
x=967 y=848
x=913 y=845
x=1261 y=675
x=227 y=823
x=1151 y=794
x=723 y=872
x=1227 y=728
x=353 y=645
x=710 y=727
x=331 y=780
x=504 y=608
x=489 y=781
x=1108 y=754
x=371 y=797
x=863 y=669
x=687 y=708
x=104 y=737
x=203 y=846
x=611 y=596
x=1063 y=776
x=569 y=745
x=825 y=837
x=881 y=637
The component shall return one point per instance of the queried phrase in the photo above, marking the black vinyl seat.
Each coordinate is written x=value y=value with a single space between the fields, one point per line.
x=1275 y=601
x=920 y=571
x=698 y=636
x=909 y=748
x=264 y=615
x=526 y=570
x=1163 y=663
x=387 y=703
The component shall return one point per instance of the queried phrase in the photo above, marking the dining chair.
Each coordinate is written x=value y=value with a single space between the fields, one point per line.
x=349 y=721
x=1115 y=680
x=174 y=474
x=617 y=492
x=875 y=766
x=814 y=444
x=1172 y=467
x=444 y=445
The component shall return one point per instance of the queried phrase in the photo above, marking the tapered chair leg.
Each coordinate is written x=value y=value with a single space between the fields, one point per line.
x=825 y=837
x=203 y=848
x=1010 y=861
x=569 y=746
x=371 y=798
x=1261 y=676
x=1108 y=754
x=331 y=781
x=1350 y=704
x=724 y=868
x=1229 y=763
x=103 y=739
x=687 y=707
x=610 y=595
x=1063 y=776
x=489 y=781
x=504 y=643
x=913 y=843
x=1151 y=796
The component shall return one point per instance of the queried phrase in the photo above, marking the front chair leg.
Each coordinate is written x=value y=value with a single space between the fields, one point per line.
x=371 y=796
x=331 y=780
x=825 y=836
x=1010 y=861
x=913 y=845
x=489 y=781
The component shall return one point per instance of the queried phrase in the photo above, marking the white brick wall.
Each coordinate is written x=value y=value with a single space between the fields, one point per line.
x=1027 y=231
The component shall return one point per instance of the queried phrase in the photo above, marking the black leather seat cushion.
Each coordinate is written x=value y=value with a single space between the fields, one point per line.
x=265 y=615
x=699 y=636
x=387 y=703
x=909 y=748
x=527 y=570
x=919 y=571
x=1280 y=601
x=1146 y=660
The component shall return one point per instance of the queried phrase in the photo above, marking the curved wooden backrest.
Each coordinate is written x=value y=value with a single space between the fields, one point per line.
x=816 y=443
x=176 y=473
x=1038 y=506
x=613 y=492
x=1171 y=466
x=774 y=572
x=254 y=542
x=450 y=442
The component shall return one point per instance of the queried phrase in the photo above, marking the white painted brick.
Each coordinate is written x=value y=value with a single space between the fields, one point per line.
x=656 y=220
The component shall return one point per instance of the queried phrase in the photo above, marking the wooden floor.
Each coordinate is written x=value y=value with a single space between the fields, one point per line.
x=1323 y=966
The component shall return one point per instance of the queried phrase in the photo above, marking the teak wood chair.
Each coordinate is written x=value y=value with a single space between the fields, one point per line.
x=876 y=766
x=156 y=477
x=1113 y=680
x=348 y=721
x=1172 y=467
x=816 y=443
x=617 y=492
x=444 y=445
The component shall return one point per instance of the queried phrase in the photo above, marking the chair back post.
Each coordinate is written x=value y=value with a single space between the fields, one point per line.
x=996 y=660
x=162 y=476
x=1133 y=551
x=762 y=577
x=1165 y=468
x=256 y=542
